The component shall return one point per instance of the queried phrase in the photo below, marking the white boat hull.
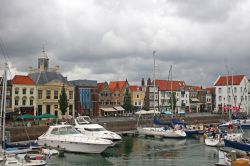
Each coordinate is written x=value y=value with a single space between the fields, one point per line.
x=154 y=131
x=75 y=146
x=214 y=142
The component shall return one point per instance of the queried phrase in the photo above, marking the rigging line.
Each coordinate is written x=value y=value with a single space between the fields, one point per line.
x=4 y=50
x=245 y=89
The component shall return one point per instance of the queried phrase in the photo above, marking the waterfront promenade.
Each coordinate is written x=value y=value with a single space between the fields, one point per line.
x=114 y=124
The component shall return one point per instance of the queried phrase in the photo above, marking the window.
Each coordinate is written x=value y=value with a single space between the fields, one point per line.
x=40 y=109
x=48 y=109
x=24 y=101
x=220 y=98
x=31 y=91
x=55 y=106
x=55 y=94
x=235 y=89
x=245 y=98
x=135 y=103
x=228 y=90
x=70 y=94
x=31 y=101
x=47 y=94
x=240 y=89
x=229 y=98
x=56 y=113
x=8 y=102
x=138 y=95
x=24 y=91
x=8 y=93
x=40 y=94
x=16 y=91
x=16 y=101
x=235 y=98
x=219 y=90
x=139 y=102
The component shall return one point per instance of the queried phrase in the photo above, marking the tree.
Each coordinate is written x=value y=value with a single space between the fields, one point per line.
x=63 y=101
x=127 y=101
x=173 y=101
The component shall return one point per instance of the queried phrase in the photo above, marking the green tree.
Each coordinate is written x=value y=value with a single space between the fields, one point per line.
x=173 y=101
x=63 y=101
x=127 y=101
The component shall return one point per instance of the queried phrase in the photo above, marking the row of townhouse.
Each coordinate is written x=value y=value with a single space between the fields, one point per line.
x=232 y=93
x=186 y=98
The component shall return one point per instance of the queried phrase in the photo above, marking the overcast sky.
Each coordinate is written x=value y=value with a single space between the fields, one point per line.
x=115 y=39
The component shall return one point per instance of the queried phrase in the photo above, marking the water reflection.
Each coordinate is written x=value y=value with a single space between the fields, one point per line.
x=148 y=151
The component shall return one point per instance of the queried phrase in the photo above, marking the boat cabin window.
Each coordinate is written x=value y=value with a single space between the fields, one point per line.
x=83 y=120
x=94 y=129
x=64 y=131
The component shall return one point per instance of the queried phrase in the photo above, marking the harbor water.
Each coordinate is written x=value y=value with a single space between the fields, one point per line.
x=146 y=151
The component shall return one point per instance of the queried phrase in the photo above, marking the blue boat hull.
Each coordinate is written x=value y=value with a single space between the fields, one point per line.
x=237 y=145
x=243 y=126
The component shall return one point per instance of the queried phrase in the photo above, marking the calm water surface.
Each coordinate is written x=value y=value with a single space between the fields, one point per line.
x=147 y=151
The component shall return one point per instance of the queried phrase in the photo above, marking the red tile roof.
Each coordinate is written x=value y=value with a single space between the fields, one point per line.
x=134 y=88
x=211 y=89
x=19 y=79
x=116 y=84
x=197 y=88
x=224 y=80
x=165 y=85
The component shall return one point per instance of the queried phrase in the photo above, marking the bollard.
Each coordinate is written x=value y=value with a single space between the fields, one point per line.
x=233 y=155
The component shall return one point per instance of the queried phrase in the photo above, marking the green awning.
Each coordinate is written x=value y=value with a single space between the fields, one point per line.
x=26 y=116
x=47 y=116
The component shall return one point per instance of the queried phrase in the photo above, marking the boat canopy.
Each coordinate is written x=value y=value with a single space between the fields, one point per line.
x=175 y=121
x=158 y=122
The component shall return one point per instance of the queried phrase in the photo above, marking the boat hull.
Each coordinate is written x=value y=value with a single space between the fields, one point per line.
x=237 y=145
x=75 y=146
x=153 y=131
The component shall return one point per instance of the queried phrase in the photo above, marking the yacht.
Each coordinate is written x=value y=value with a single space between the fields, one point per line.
x=71 y=140
x=84 y=125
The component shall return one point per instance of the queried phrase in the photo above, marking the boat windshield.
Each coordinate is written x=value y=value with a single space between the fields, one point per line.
x=83 y=120
x=64 y=131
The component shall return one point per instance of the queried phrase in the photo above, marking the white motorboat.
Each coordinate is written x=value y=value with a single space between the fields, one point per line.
x=161 y=132
x=14 y=160
x=67 y=137
x=218 y=139
x=82 y=123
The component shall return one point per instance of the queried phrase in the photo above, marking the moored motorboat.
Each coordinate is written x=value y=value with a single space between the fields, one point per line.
x=67 y=137
x=82 y=123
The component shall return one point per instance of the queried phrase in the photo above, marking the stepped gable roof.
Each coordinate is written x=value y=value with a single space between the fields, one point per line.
x=229 y=80
x=21 y=79
x=47 y=76
x=116 y=84
x=165 y=85
x=84 y=82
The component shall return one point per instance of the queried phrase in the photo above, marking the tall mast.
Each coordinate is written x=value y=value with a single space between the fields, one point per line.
x=172 y=100
x=154 y=80
x=3 y=105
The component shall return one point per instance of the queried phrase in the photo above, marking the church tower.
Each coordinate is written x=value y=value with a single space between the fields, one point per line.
x=43 y=62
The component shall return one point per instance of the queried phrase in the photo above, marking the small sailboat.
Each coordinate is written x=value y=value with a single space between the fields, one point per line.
x=165 y=130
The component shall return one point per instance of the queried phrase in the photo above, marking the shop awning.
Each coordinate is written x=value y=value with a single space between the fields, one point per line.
x=108 y=109
x=194 y=99
x=119 y=108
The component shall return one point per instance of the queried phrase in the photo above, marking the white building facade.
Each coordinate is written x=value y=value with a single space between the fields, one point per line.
x=232 y=93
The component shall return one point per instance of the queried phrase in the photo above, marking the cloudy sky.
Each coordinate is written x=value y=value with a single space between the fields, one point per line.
x=115 y=39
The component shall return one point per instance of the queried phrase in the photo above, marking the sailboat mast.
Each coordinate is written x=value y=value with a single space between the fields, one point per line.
x=3 y=105
x=172 y=100
x=154 y=80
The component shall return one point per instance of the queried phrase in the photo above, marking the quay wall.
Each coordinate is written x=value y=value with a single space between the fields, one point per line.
x=31 y=133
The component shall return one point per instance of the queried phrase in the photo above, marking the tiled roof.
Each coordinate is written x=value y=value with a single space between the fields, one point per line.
x=229 y=80
x=116 y=84
x=91 y=83
x=135 y=88
x=47 y=76
x=165 y=85
x=197 y=88
x=211 y=89
x=19 y=79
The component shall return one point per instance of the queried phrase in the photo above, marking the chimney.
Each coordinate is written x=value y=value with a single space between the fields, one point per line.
x=142 y=82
